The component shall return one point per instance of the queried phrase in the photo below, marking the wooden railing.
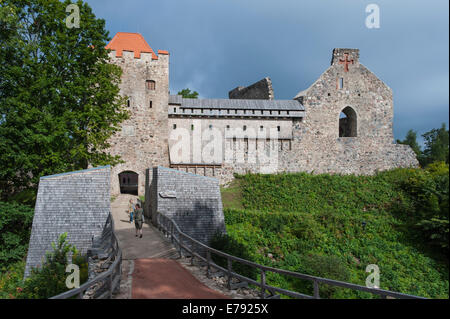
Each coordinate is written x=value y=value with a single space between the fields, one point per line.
x=107 y=282
x=183 y=241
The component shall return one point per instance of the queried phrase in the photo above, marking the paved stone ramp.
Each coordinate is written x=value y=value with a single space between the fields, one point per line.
x=151 y=245
x=148 y=268
x=167 y=279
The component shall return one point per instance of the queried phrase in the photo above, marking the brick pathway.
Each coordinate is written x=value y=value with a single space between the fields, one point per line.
x=167 y=279
x=148 y=268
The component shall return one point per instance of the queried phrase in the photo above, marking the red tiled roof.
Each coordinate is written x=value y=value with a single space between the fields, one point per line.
x=135 y=42
x=163 y=52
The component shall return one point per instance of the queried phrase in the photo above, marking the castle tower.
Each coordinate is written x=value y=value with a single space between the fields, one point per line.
x=143 y=141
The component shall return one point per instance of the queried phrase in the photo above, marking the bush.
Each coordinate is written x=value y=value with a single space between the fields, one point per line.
x=50 y=279
x=25 y=197
x=229 y=245
x=11 y=280
x=330 y=267
x=435 y=224
x=15 y=230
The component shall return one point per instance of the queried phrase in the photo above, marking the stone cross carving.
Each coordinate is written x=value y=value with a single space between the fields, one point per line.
x=346 y=61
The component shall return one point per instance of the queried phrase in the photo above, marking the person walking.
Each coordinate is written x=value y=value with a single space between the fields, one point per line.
x=131 y=209
x=138 y=219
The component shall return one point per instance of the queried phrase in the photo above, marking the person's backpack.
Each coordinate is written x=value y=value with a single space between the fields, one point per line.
x=138 y=215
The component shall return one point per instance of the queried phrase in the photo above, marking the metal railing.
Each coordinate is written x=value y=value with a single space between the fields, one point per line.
x=108 y=281
x=183 y=241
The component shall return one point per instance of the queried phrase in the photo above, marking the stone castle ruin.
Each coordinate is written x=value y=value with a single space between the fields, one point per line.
x=341 y=124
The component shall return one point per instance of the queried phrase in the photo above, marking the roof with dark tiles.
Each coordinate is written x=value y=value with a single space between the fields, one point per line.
x=283 y=105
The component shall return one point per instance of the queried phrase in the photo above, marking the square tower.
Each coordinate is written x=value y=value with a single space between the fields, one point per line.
x=143 y=141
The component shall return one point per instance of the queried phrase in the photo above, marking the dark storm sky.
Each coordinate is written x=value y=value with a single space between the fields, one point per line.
x=216 y=45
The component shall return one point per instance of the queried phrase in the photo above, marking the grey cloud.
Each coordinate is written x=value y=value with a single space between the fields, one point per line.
x=218 y=45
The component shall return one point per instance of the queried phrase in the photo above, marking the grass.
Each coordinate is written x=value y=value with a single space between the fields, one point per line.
x=318 y=224
x=232 y=195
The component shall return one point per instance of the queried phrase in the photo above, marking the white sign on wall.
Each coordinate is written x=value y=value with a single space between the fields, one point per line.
x=128 y=130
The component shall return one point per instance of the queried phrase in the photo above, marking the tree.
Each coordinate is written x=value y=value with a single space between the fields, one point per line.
x=411 y=140
x=188 y=94
x=59 y=96
x=436 y=146
x=15 y=230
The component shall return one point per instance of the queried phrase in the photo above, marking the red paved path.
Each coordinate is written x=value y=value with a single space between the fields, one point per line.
x=167 y=279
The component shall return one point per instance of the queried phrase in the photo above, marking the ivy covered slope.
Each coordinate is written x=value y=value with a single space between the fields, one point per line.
x=334 y=226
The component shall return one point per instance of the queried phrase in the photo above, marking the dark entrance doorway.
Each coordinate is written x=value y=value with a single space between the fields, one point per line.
x=128 y=181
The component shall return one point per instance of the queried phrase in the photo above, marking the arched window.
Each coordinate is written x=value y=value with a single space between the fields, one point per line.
x=348 y=123
x=151 y=85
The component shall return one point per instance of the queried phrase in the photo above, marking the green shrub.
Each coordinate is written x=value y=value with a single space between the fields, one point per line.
x=11 y=280
x=15 y=230
x=26 y=197
x=231 y=246
x=330 y=267
x=50 y=279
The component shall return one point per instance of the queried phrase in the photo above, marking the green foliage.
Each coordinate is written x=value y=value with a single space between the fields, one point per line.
x=435 y=224
x=15 y=229
x=11 y=280
x=233 y=247
x=46 y=281
x=411 y=140
x=59 y=96
x=326 y=267
x=231 y=196
x=188 y=94
x=436 y=146
x=26 y=197
x=50 y=279
x=334 y=226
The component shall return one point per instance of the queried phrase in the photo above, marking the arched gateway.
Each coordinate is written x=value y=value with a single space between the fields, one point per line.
x=129 y=181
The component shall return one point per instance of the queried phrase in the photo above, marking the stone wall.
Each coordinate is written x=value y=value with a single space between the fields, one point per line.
x=317 y=146
x=308 y=141
x=193 y=201
x=261 y=90
x=314 y=144
x=76 y=203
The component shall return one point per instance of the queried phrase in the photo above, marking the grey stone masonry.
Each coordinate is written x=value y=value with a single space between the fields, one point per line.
x=143 y=141
x=341 y=124
x=193 y=201
x=76 y=203
x=261 y=90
